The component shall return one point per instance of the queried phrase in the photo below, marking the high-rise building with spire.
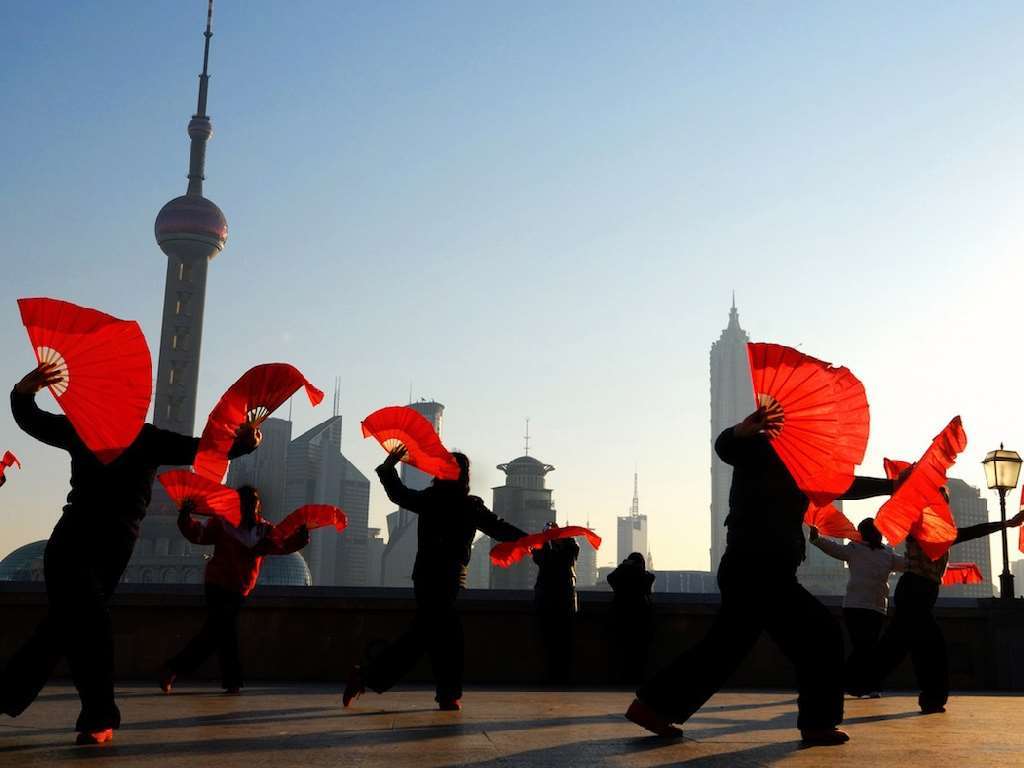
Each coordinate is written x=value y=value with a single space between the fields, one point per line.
x=190 y=230
x=732 y=399
x=632 y=529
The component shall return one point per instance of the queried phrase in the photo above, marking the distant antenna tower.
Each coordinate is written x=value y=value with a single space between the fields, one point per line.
x=526 y=437
x=337 y=396
x=634 y=510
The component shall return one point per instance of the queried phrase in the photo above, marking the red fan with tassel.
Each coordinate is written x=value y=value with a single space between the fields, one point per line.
x=106 y=371
x=918 y=508
x=401 y=425
x=510 y=552
x=818 y=414
x=962 y=573
x=208 y=497
x=250 y=400
x=312 y=516
x=8 y=460
x=831 y=522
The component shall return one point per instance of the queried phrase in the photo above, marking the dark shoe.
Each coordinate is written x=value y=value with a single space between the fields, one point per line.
x=233 y=690
x=823 y=737
x=932 y=709
x=167 y=681
x=354 y=687
x=94 y=737
x=449 y=705
x=645 y=717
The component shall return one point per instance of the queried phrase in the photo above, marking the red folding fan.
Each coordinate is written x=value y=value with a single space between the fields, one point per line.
x=962 y=573
x=209 y=497
x=312 y=516
x=917 y=507
x=831 y=522
x=510 y=552
x=402 y=425
x=250 y=400
x=106 y=371
x=819 y=418
x=8 y=460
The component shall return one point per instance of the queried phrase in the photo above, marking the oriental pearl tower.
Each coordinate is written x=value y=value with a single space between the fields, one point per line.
x=190 y=230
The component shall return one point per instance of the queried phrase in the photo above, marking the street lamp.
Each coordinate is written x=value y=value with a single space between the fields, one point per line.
x=1002 y=468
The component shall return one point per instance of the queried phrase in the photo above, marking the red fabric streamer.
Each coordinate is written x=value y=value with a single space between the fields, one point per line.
x=8 y=460
x=917 y=508
x=510 y=552
x=208 y=497
x=962 y=573
x=106 y=371
x=250 y=400
x=820 y=418
x=312 y=516
x=831 y=522
x=401 y=425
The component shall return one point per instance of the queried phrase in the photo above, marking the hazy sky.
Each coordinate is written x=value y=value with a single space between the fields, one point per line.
x=537 y=209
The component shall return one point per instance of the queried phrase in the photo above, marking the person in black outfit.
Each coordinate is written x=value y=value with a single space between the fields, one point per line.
x=913 y=628
x=449 y=518
x=85 y=556
x=631 y=619
x=554 y=598
x=760 y=592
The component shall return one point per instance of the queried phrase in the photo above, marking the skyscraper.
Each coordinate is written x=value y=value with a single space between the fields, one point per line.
x=318 y=473
x=190 y=230
x=400 y=551
x=732 y=399
x=586 y=564
x=524 y=501
x=969 y=507
x=632 y=529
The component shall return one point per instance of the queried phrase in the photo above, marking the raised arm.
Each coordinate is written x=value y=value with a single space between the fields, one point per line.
x=166 y=447
x=45 y=427
x=745 y=441
x=490 y=524
x=986 y=529
x=828 y=546
x=396 y=490
x=866 y=487
x=272 y=545
x=193 y=530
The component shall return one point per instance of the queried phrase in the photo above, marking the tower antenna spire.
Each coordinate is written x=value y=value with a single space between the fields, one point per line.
x=204 y=78
x=199 y=128
x=526 y=438
x=634 y=510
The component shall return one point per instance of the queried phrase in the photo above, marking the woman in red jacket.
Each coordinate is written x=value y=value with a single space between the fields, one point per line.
x=231 y=575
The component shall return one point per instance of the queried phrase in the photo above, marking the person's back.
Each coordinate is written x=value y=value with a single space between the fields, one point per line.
x=555 y=588
x=631 y=584
x=446 y=526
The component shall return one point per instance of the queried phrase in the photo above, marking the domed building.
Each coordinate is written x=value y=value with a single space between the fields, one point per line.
x=525 y=501
x=24 y=564
x=285 y=571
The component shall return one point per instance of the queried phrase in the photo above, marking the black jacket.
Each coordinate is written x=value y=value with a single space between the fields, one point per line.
x=766 y=508
x=555 y=588
x=631 y=585
x=448 y=519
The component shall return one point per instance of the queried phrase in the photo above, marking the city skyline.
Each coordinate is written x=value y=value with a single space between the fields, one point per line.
x=578 y=261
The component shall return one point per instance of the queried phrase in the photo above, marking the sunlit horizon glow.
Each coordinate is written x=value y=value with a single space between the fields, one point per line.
x=537 y=211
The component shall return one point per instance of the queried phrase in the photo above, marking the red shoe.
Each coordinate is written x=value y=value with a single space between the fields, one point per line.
x=354 y=687
x=94 y=737
x=450 y=705
x=167 y=681
x=645 y=717
x=823 y=737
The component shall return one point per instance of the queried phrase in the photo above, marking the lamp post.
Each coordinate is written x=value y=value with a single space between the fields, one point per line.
x=1002 y=469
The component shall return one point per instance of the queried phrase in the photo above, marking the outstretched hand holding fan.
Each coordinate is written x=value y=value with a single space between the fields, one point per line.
x=400 y=426
x=97 y=367
x=243 y=408
x=8 y=460
x=202 y=495
x=508 y=553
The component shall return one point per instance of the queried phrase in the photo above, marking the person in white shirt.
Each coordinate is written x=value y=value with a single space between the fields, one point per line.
x=867 y=591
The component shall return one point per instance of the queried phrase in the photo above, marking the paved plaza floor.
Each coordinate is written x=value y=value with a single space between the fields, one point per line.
x=304 y=725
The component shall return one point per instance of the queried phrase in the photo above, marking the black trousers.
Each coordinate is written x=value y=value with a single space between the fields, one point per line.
x=864 y=627
x=82 y=567
x=758 y=595
x=219 y=634
x=630 y=634
x=437 y=631
x=913 y=630
x=557 y=626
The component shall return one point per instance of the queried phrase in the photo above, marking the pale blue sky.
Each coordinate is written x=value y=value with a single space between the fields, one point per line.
x=537 y=209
